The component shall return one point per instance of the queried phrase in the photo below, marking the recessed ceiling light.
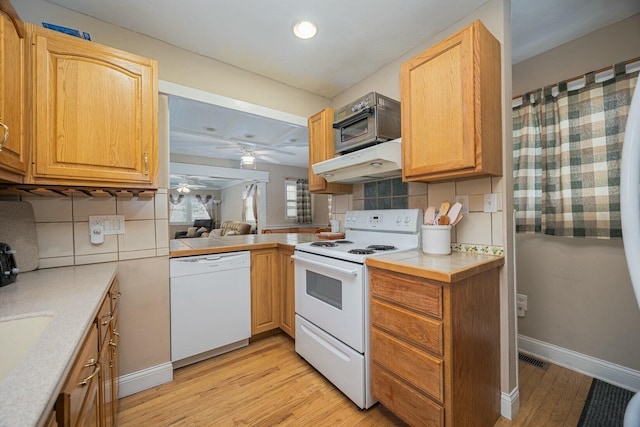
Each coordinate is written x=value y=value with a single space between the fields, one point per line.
x=304 y=29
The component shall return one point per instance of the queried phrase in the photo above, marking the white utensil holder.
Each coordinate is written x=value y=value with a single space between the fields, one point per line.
x=436 y=239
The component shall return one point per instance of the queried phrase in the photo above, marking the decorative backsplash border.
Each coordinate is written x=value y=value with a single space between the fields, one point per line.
x=479 y=249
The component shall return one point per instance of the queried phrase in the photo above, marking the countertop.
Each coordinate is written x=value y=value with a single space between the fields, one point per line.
x=72 y=296
x=443 y=268
x=241 y=242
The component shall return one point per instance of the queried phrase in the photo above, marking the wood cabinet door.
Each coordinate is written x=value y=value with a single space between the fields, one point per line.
x=265 y=308
x=95 y=113
x=287 y=293
x=321 y=148
x=451 y=114
x=13 y=80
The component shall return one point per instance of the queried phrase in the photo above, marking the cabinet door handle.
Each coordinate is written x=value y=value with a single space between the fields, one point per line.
x=146 y=163
x=91 y=362
x=6 y=135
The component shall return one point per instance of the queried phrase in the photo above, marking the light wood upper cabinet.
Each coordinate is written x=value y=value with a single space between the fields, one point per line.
x=321 y=148
x=451 y=109
x=94 y=113
x=13 y=80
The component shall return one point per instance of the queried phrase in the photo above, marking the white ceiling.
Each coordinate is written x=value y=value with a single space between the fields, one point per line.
x=355 y=38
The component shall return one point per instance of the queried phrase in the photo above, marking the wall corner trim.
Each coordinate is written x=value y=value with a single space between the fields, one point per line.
x=510 y=404
x=145 y=379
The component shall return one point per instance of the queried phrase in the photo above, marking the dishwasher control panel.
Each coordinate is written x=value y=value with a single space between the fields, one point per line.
x=202 y=264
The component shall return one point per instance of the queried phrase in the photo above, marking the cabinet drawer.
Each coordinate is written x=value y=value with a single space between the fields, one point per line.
x=416 y=367
x=421 y=331
x=404 y=401
x=417 y=295
x=78 y=392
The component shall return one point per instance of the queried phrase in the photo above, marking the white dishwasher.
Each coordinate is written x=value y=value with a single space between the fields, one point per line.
x=210 y=305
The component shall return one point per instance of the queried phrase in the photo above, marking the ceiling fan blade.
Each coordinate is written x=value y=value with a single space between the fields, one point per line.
x=268 y=159
x=262 y=144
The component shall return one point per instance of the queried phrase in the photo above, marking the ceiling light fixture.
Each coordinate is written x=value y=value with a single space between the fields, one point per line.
x=304 y=29
x=183 y=189
x=247 y=161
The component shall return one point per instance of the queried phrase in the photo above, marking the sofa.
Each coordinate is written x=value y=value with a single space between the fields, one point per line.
x=199 y=227
x=231 y=228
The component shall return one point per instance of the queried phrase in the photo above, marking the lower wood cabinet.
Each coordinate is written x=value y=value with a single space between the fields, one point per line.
x=78 y=403
x=272 y=290
x=265 y=308
x=287 y=293
x=435 y=357
x=90 y=394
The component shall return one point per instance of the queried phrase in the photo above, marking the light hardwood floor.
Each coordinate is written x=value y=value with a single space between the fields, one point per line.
x=267 y=383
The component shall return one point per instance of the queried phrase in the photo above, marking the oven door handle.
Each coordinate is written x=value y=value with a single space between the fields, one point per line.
x=354 y=118
x=353 y=272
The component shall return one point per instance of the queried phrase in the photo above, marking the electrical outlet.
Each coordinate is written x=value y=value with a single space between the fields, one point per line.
x=111 y=224
x=463 y=199
x=491 y=202
x=521 y=304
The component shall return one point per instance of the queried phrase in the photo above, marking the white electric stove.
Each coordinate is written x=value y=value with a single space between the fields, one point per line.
x=332 y=295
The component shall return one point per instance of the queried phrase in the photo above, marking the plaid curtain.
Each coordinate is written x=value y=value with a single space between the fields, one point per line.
x=567 y=158
x=303 y=201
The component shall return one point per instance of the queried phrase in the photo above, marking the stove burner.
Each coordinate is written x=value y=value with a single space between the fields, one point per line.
x=324 y=244
x=381 y=247
x=343 y=241
x=361 y=251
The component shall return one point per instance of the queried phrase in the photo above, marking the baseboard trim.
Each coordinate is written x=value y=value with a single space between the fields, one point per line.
x=597 y=368
x=147 y=378
x=510 y=404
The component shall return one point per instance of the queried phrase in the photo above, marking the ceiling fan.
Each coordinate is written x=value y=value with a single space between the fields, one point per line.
x=184 y=184
x=235 y=147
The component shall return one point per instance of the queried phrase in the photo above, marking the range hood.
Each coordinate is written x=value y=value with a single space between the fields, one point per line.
x=378 y=161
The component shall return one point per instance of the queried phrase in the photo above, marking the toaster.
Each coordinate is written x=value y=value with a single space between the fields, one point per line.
x=8 y=268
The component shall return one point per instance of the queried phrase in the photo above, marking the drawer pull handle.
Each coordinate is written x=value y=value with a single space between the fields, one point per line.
x=91 y=362
x=106 y=322
x=6 y=135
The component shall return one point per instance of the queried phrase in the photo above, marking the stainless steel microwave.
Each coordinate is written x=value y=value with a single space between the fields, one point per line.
x=366 y=121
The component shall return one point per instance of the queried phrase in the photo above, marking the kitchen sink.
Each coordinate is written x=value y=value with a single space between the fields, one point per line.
x=17 y=336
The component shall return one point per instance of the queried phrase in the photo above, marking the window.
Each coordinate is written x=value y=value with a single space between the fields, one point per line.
x=291 y=199
x=187 y=210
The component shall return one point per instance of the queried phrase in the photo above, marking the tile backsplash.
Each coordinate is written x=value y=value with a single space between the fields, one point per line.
x=478 y=231
x=62 y=227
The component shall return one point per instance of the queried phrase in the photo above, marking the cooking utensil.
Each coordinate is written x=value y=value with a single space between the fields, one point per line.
x=444 y=208
x=454 y=211
x=429 y=215
x=443 y=220
x=457 y=219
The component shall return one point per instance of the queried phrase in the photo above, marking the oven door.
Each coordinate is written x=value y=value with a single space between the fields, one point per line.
x=330 y=294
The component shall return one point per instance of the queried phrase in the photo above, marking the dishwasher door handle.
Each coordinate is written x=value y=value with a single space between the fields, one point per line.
x=353 y=272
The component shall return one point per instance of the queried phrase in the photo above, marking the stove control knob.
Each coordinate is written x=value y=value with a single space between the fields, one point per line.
x=399 y=219
x=407 y=219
